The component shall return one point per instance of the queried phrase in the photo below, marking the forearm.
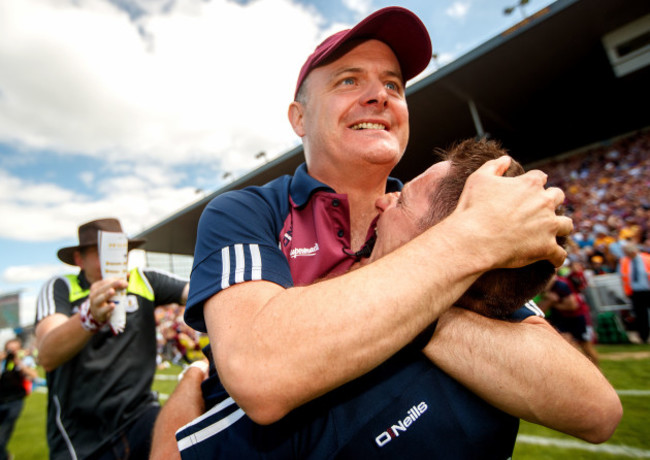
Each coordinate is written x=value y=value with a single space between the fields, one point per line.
x=184 y=405
x=527 y=370
x=275 y=353
x=59 y=339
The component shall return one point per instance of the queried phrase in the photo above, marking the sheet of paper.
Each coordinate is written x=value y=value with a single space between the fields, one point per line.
x=113 y=258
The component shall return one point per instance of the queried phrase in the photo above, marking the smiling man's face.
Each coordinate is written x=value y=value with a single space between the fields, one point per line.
x=355 y=111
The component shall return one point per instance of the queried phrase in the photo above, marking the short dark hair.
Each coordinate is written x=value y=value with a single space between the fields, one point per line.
x=499 y=292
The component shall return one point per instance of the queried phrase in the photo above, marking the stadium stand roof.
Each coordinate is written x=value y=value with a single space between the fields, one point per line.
x=544 y=87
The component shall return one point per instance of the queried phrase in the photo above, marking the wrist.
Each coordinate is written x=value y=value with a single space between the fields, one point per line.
x=88 y=322
x=466 y=243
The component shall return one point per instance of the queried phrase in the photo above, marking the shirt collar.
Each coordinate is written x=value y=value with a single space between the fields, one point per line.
x=83 y=281
x=303 y=186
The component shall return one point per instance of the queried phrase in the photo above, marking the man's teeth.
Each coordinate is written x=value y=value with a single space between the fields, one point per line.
x=369 y=126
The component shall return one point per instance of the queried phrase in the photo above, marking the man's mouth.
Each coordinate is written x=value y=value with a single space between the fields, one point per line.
x=369 y=126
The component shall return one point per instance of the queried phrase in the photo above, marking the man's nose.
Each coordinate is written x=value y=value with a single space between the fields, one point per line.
x=375 y=94
x=386 y=201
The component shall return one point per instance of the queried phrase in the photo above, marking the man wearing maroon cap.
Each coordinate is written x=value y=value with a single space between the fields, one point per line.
x=281 y=340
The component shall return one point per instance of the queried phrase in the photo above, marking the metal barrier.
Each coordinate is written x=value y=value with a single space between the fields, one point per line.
x=605 y=293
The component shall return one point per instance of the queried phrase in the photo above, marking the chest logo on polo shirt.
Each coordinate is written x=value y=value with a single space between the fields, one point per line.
x=131 y=303
x=301 y=252
x=393 y=432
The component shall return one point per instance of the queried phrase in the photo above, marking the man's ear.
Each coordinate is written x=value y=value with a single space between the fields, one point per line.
x=296 y=118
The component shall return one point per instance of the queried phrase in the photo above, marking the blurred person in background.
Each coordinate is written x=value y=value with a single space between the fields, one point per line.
x=634 y=269
x=598 y=265
x=16 y=377
x=569 y=312
x=100 y=402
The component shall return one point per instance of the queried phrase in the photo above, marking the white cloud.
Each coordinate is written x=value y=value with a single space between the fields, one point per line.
x=46 y=212
x=87 y=178
x=15 y=190
x=20 y=274
x=361 y=7
x=458 y=10
x=203 y=80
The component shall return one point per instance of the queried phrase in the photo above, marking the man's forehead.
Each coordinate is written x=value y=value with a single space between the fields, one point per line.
x=357 y=50
x=433 y=172
x=421 y=186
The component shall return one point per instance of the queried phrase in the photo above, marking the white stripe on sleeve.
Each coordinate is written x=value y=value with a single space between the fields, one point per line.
x=256 y=258
x=240 y=263
x=225 y=267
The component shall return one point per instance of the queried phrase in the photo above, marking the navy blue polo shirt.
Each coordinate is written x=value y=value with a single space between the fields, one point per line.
x=405 y=408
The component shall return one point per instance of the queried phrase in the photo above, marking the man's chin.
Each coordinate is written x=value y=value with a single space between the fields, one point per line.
x=380 y=152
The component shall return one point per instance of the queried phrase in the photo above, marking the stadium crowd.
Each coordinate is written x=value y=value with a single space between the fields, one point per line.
x=178 y=343
x=607 y=197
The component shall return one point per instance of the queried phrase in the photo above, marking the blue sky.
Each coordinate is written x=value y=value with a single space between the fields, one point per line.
x=137 y=108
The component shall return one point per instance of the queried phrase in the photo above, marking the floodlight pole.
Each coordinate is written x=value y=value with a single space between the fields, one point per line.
x=476 y=118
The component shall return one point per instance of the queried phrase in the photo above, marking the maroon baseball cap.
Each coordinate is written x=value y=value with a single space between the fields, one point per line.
x=398 y=27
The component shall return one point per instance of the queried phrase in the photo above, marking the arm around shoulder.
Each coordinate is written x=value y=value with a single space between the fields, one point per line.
x=527 y=370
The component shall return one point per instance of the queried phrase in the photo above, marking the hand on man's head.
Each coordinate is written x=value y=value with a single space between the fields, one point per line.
x=512 y=219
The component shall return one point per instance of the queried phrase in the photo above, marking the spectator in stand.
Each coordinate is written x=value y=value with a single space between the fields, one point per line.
x=634 y=269
x=15 y=384
x=598 y=265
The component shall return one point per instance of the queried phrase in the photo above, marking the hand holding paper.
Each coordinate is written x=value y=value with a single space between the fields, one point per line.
x=113 y=258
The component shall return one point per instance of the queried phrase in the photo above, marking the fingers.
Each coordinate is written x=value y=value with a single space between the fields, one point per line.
x=100 y=296
x=557 y=195
x=538 y=177
x=516 y=215
x=565 y=226
x=496 y=167
x=558 y=256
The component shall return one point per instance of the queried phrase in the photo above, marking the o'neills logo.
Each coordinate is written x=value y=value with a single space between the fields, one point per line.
x=298 y=252
x=391 y=433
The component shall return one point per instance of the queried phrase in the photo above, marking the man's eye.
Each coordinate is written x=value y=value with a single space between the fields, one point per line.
x=392 y=86
x=348 y=81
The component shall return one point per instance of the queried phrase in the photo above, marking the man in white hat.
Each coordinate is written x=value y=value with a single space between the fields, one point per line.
x=100 y=402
